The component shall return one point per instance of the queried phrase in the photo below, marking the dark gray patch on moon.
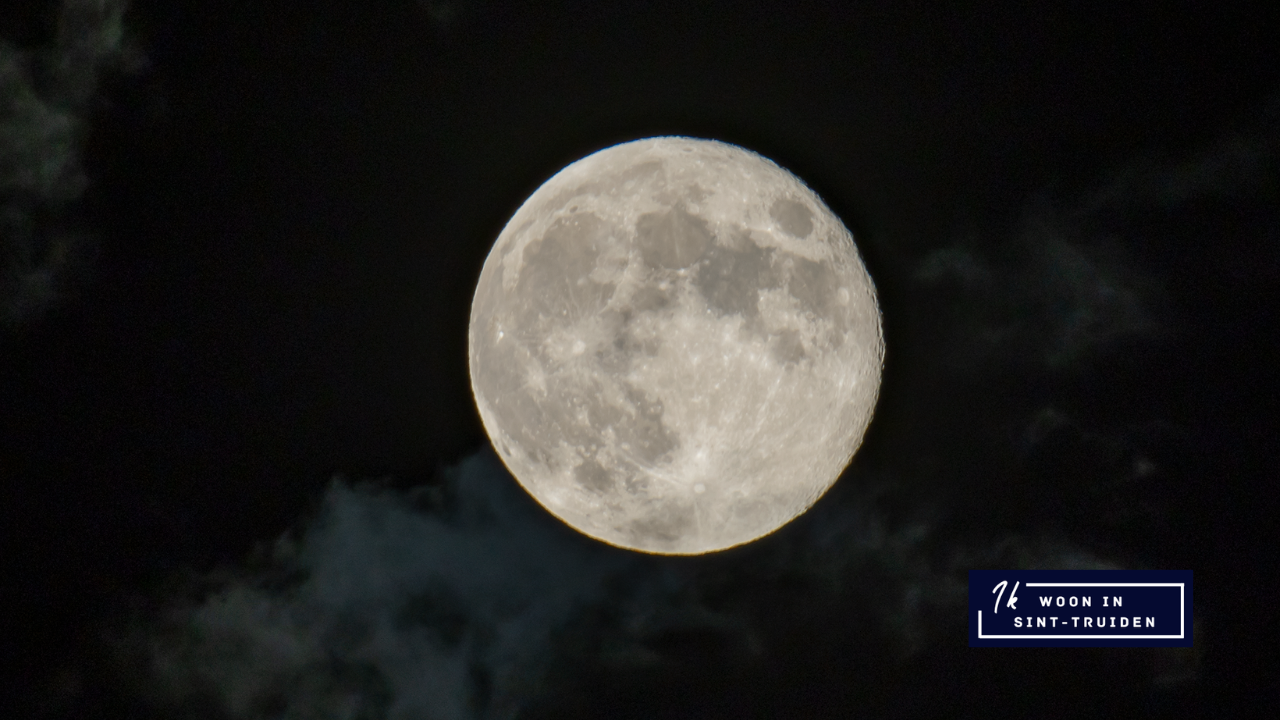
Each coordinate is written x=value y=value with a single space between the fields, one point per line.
x=554 y=278
x=814 y=284
x=567 y=250
x=617 y=356
x=592 y=476
x=696 y=193
x=637 y=425
x=792 y=216
x=672 y=239
x=731 y=279
x=647 y=299
x=643 y=432
x=664 y=526
x=787 y=348
x=628 y=344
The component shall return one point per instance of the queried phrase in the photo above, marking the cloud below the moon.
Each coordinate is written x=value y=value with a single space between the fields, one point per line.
x=46 y=100
x=440 y=602
x=466 y=600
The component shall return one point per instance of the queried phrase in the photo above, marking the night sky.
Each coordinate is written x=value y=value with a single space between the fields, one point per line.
x=242 y=474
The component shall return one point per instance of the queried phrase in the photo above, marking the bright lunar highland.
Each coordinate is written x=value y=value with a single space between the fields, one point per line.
x=674 y=346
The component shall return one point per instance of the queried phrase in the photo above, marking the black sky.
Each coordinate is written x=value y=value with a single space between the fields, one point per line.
x=1069 y=209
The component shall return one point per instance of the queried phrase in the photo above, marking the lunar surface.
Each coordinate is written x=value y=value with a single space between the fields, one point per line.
x=674 y=346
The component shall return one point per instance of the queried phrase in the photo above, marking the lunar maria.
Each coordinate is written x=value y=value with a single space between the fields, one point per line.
x=675 y=346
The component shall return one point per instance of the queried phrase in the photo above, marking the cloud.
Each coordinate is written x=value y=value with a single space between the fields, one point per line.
x=1051 y=297
x=1064 y=287
x=45 y=103
x=440 y=602
x=1238 y=165
x=467 y=600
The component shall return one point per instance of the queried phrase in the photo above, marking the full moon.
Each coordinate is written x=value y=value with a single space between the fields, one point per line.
x=675 y=346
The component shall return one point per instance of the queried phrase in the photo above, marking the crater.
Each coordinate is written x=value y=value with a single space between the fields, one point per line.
x=672 y=239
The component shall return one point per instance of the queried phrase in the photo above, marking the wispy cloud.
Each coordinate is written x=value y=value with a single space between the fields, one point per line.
x=1064 y=287
x=46 y=99
x=1052 y=296
x=441 y=602
x=466 y=600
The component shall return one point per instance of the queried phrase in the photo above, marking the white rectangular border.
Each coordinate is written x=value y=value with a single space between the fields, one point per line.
x=1182 y=616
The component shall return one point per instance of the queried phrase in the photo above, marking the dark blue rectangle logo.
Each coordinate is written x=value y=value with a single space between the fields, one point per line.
x=1080 y=608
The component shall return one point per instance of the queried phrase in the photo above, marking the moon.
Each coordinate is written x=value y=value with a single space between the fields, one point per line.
x=674 y=346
